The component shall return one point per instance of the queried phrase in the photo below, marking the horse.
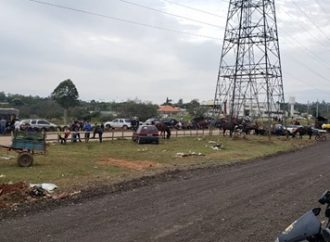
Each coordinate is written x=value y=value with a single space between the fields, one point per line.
x=247 y=127
x=226 y=124
x=163 y=128
x=301 y=131
x=200 y=123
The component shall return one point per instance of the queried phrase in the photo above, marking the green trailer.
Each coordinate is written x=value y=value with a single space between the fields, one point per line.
x=27 y=144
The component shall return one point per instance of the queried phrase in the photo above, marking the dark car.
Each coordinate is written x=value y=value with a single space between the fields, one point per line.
x=170 y=122
x=146 y=134
x=279 y=130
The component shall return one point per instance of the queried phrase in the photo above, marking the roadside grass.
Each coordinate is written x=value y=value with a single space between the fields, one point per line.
x=79 y=165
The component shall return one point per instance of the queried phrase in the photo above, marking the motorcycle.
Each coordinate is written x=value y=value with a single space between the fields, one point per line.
x=308 y=227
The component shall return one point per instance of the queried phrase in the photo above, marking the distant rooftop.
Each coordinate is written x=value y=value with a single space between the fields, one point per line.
x=168 y=109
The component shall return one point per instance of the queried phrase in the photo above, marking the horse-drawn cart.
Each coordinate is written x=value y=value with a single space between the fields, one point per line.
x=320 y=134
x=27 y=144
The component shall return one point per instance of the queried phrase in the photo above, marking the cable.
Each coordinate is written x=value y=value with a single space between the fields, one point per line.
x=309 y=19
x=122 y=20
x=167 y=13
x=306 y=50
x=194 y=9
x=311 y=70
x=305 y=29
x=318 y=3
x=147 y=25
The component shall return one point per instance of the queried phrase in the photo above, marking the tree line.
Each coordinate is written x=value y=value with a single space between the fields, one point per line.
x=64 y=101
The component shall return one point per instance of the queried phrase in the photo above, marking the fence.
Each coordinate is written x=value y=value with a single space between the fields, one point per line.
x=127 y=134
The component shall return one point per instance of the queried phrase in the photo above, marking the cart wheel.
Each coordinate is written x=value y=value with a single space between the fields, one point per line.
x=25 y=160
x=324 y=138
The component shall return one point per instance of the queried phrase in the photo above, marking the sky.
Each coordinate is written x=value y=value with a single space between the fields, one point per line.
x=116 y=50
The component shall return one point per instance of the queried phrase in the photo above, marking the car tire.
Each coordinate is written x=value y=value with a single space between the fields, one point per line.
x=125 y=127
x=108 y=126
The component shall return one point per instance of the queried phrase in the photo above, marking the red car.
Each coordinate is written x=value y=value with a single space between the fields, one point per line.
x=146 y=134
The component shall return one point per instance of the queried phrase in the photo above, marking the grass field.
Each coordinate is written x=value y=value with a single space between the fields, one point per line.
x=77 y=165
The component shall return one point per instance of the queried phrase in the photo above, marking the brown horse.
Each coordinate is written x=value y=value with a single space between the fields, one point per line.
x=163 y=128
x=225 y=125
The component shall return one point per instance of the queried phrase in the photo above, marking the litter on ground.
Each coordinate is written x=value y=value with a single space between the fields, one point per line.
x=48 y=187
x=6 y=157
x=182 y=154
x=13 y=194
x=212 y=142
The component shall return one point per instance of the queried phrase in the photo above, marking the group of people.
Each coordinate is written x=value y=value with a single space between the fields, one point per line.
x=7 y=125
x=75 y=131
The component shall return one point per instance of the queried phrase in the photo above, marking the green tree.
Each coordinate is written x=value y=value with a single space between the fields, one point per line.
x=3 y=97
x=132 y=109
x=66 y=95
x=192 y=107
x=180 y=103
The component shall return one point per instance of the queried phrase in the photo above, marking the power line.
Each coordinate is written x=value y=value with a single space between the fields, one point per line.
x=122 y=20
x=311 y=70
x=167 y=13
x=309 y=19
x=305 y=29
x=320 y=6
x=194 y=9
x=306 y=50
x=311 y=53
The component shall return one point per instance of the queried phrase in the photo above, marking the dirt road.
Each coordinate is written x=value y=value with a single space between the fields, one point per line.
x=247 y=202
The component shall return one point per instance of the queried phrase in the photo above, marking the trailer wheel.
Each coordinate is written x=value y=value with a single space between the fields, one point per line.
x=25 y=160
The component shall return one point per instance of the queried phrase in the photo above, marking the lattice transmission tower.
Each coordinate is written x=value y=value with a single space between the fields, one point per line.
x=250 y=76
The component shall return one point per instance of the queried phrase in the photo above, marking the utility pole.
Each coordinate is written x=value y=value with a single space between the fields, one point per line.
x=250 y=75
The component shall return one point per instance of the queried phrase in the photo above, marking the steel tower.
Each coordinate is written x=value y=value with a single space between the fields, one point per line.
x=250 y=76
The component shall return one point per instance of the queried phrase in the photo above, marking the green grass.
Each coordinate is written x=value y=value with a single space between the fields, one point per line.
x=78 y=165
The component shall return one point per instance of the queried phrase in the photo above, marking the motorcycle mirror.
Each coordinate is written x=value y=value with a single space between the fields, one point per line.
x=325 y=198
x=316 y=211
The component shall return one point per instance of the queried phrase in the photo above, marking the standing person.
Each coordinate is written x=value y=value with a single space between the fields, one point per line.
x=66 y=133
x=3 y=123
x=99 y=130
x=87 y=128
x=77 y=129
x=73 y=130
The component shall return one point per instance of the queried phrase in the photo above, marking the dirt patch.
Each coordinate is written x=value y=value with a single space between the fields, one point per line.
x=133 y=165
x=13 y=193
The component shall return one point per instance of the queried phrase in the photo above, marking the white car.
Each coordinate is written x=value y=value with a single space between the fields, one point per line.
x=37 y=124
x=121 y=123
x=292 y=128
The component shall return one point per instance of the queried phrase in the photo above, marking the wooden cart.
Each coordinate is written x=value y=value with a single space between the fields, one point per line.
x=27 y=144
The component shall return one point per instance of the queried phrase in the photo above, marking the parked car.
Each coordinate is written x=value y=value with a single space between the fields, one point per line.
x=279 y=130
x=118 y=123
x=326 y=126
x=151 y=121
x=170 y=122
x=36 y=124
x=318 y=131
x=292 y=128
x=146 y=134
